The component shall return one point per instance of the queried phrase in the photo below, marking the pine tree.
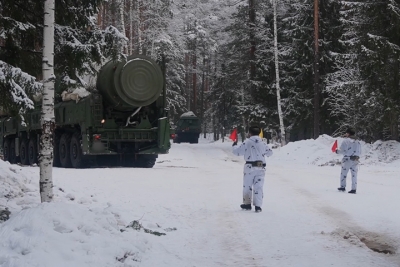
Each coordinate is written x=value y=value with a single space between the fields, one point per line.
x=297 y=68
x=80 y=46
x=331 y=31
x=364 y=90
x=344 y=85
x=379 y=64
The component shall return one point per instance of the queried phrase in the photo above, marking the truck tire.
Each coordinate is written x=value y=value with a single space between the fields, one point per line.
x=6 y=150
x=64 y=149
x=13 y=157
x=76 y=151
x=146 y=162
x=32 y=151
x=23 y=152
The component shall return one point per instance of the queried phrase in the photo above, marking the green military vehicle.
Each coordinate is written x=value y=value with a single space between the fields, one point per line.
x=188 y=128
x=123 y=122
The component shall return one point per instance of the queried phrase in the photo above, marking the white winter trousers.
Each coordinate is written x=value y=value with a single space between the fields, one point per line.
x=253 y=183
x=352 y=165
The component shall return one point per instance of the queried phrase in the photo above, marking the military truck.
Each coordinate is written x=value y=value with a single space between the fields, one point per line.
x=124 y=121
x=188 y=128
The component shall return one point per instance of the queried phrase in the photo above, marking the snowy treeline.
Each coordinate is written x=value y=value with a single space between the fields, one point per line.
x=358 y=67
x=220 y=57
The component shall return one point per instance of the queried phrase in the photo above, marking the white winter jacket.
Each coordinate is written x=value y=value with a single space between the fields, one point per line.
x=253 y=149
x=350 y=147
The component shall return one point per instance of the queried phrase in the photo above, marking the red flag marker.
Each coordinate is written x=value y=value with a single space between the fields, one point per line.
x=334 y=147
x=234 y=135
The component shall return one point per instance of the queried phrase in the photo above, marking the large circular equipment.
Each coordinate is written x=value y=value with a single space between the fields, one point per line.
x=134 y=82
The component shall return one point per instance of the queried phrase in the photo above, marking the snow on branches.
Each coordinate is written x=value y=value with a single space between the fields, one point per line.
x=15 y=86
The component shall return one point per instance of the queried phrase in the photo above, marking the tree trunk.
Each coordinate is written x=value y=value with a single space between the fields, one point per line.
x=100 y=16
x=203 y=81
x=130 y=27
x=278 y=89
x=121 y=26
x=194 y=77
x=316 y=70
x=252 y=22
x=47 y=116
x=139 y=29
x=214 y=123
x=187 y=79
x=207 y=86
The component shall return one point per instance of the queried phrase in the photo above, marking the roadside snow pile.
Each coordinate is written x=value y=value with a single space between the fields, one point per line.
x=318 y=152
x=66 y=232
x=385 y=152
x=16 y=189
x=61 y=234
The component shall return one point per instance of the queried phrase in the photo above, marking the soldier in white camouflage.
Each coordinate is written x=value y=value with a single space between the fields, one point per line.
x=351 y=151
x=254 y=151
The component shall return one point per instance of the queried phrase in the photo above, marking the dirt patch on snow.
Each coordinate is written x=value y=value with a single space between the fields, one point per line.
x=376 y=242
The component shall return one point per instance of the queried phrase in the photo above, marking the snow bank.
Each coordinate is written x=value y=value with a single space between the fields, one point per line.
x=16 y=188
x=71 y=231
x=318 y=152
x=60 y=234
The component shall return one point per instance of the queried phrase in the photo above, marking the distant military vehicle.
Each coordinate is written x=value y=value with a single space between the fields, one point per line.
x=124 y=121
x=188 y=128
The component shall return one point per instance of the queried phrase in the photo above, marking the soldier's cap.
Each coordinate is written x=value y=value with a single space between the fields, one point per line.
x=350 y=131
x=254 y=130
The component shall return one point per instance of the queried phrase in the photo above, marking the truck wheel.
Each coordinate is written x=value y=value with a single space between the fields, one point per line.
x=146 y=162
x=76 y=151
x=12 y=157
x=23 y=152
x=6 y=149
x=32 y=152
x=56 y=150
x=64 y=149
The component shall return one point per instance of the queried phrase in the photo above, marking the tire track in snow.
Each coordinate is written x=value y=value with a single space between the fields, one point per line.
x=229 y=228
x=232 y=232
x=347 y=228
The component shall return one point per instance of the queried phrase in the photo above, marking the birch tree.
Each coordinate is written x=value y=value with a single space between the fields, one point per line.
x=278 y=89
x=47 y=118
x=121 y=24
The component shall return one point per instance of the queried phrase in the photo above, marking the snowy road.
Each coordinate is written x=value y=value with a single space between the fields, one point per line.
x=197 y=189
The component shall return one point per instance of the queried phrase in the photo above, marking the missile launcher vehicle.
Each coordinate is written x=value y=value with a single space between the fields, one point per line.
x=123 y=122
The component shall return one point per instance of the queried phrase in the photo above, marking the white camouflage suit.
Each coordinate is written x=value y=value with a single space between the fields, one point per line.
x=253 y=149
x=349 y=147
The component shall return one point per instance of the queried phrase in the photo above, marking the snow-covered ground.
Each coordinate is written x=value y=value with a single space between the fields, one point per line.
x=185 y=212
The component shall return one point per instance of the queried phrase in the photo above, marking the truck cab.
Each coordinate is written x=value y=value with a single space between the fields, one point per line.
x=188 y=129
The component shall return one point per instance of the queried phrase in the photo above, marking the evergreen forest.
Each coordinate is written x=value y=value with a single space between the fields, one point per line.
x=220 y=59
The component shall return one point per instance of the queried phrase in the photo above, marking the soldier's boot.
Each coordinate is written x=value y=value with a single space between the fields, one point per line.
x=258 y=209
x=342 y=189
x=352 y=191
x=246 y=206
